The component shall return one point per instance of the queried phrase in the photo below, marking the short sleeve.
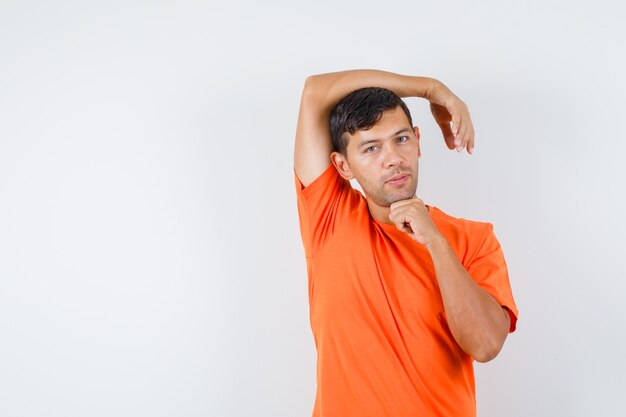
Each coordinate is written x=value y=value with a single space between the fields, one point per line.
x=488 y=268
x=322 y=207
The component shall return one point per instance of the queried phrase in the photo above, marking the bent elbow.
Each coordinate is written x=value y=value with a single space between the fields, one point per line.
x=484 y=358
x=311 y=84
x=487 y=355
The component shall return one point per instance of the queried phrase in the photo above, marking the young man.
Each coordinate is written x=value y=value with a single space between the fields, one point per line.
x=403 y=297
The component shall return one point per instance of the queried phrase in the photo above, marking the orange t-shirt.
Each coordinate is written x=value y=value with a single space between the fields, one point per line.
x=384 y=348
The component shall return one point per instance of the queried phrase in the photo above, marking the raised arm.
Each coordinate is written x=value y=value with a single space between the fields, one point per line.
x=322 y=92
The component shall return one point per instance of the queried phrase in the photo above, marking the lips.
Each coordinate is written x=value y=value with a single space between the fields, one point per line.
x=396 y=177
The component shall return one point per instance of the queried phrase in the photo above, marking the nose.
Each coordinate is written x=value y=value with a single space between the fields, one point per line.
x=393 y=157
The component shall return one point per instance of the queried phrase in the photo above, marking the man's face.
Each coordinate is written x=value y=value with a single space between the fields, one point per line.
x=388 y=149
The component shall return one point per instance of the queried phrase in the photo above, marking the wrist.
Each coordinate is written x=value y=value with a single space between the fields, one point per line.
x=421 y=87
x=433 y=89
x=436 y=242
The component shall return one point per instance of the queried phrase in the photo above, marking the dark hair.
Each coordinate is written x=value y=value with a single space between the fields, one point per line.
x=361 y=110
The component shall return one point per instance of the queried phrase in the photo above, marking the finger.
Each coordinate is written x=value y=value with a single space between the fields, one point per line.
x=401 y=227
x=461 y=135
x=395 y=214
x=466 y=134
x=456 y=120
x=470 y=147
x=462 y=139
x=457 y=135
x=469 y=137
x=448 y=136
x=399 y=203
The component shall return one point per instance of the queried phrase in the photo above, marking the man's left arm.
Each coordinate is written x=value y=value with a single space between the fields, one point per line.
x=476 y=319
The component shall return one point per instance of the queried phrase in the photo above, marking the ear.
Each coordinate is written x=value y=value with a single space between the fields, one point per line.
x=341 y=163
x=416 y=130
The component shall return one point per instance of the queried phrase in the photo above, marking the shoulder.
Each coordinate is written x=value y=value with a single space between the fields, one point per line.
x=465 y=236
x=447 y=220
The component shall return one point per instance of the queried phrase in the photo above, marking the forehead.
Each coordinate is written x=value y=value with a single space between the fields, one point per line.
x=387 y=127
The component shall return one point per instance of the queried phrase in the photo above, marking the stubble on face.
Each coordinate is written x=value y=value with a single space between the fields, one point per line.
x=384 y=194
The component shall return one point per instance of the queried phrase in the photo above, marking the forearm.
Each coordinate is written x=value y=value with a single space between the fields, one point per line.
x=476 y=319
x=332 y=87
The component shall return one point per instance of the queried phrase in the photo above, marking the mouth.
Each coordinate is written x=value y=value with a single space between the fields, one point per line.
x=398 y=179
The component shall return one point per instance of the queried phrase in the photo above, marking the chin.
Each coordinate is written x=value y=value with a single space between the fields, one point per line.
x=388 y=200
x=384 y=198
x=402 y=196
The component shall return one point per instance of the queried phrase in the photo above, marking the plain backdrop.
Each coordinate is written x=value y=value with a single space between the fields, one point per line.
x=150 y=256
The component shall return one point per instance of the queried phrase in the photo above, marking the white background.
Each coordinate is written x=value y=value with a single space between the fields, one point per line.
x=150 y=255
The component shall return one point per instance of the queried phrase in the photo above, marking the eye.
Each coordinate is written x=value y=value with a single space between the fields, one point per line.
x=366 y=150
x=406 y=137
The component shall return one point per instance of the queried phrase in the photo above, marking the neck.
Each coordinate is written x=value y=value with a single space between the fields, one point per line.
x=380 y=213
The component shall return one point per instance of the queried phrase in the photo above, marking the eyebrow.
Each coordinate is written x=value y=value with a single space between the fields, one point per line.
x=365 y=142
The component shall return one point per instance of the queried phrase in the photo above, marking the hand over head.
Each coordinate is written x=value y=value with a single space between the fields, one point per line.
x=447 y=107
